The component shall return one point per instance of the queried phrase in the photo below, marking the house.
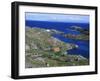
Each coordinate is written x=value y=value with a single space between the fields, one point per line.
x=56 y=49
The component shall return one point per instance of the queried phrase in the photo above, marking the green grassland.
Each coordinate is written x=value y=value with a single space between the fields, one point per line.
x=43 y=50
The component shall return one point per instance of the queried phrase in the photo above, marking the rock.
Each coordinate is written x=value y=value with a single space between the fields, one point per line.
x=27 y=47
x=34 y=46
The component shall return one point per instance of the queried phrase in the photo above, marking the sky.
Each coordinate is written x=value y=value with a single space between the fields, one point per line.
x=57 y=17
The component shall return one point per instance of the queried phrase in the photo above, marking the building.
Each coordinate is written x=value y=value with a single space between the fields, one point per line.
x=56 y=49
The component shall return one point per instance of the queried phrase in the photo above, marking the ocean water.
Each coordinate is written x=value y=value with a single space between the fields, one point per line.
x=66 y=28
x=83 y=46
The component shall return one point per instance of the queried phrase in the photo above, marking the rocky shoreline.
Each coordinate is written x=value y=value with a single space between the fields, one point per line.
x=43 y=50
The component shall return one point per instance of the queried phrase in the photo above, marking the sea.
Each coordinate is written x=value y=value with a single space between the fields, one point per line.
x=83 y=45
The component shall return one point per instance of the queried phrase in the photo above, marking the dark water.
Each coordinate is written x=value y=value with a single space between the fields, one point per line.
x=66 y=28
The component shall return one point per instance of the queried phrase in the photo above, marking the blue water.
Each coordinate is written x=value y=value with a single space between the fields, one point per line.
x=83 y=46
x=66 y=28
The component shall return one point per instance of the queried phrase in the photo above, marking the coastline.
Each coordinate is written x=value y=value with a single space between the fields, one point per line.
x=53 y=51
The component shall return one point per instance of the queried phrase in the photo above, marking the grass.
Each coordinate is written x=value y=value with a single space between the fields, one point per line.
x=37 y=37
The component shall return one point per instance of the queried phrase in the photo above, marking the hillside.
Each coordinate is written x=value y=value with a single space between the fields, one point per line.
x=43 y=50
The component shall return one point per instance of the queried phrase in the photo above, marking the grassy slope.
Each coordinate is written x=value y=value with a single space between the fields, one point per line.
x=39 y=52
